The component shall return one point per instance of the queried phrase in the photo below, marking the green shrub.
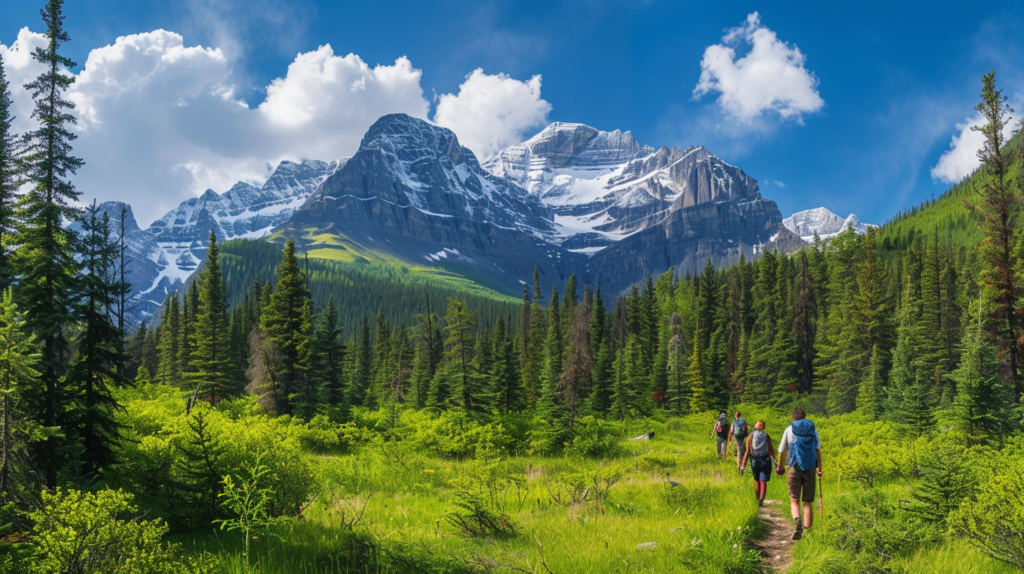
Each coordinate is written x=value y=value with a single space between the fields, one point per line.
x=83 y=533
x=596 y=438
x=994 y=519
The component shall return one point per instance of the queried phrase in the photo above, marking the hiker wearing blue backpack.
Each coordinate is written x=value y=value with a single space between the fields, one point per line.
x=803 y=446
x=738 y=432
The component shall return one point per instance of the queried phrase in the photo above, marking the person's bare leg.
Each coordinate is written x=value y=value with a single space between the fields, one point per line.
x=794 y=508
x=808 y=514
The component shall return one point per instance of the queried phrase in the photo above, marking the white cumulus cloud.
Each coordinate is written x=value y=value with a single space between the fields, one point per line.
x=159 y=122
x=961 y=159
x=492 y=112
x=770 y=77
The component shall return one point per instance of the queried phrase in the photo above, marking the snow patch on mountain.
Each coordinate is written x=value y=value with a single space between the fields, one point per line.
x=823 y=223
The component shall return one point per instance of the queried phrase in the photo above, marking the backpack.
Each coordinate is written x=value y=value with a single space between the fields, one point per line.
x=758 y=444
x=739 y=429
x=802 y=449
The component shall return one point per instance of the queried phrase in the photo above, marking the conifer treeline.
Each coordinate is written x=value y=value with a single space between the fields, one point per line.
x=63 y=294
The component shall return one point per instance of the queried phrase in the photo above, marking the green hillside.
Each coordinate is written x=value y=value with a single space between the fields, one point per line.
x=949 y=214
x=362 y=282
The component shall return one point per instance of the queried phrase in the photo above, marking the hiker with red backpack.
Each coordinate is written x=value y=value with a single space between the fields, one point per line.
x=721 y=435
x=761 y=455
x=803 y=446
x=738 y=431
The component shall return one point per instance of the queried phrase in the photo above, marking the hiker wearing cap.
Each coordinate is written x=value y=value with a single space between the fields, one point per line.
x=738 y=432
x=721 y=435
x=761 y=455
x=802 y=444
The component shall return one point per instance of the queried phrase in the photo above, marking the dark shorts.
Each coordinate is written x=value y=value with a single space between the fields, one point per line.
x=741 y=448
x=801 y=483
x=762 y=469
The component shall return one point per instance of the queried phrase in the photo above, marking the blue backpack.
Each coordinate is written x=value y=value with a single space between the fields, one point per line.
x=803 y=450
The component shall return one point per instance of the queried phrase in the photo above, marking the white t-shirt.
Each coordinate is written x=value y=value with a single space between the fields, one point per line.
x=789 y=438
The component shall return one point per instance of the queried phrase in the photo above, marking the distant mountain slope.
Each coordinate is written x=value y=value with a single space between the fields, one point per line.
x=823 y=223
x=164 y=255
x=948 y=214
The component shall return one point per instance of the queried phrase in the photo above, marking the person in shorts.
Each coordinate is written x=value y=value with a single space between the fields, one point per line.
x=802 y=446
x=738 y=432
x=760 y=454
x=721 y=435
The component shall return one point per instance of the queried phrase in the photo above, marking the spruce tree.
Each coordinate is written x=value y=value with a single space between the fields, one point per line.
x=700 y=400
x=508 y=391
x=872 y=390
x=287 y=322
x=18 y=358
x=1000 y=209
x=677 y=388
x=11 y=177
x=360 y=364
x=210 y=368
x=604 y=357
x=91 y=421
x=169 y=345
x=534 y=369
x=576 y=378
x=327 y=357
x=45 y=263
x=459 y=330
x=805 y=318
x=980 y=407
x=381 y=371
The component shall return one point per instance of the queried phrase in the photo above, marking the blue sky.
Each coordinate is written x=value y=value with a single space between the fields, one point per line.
x=896 y=83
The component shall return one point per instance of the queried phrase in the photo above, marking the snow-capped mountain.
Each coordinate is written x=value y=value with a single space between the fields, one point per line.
x=413 y=191
x=164 y=255
x=604 y=186
x=824 y=223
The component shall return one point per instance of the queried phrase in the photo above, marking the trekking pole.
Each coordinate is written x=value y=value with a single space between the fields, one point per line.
x=821 y=499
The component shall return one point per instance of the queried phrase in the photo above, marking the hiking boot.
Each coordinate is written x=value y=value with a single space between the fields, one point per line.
x=799 y=529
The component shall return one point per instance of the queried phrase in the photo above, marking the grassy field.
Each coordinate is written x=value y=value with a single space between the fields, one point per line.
x=394 y=505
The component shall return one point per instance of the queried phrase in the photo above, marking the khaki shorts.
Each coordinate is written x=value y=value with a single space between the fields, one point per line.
x=801 y=481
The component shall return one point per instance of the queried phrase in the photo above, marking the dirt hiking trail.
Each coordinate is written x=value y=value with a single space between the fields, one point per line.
x=776 y=545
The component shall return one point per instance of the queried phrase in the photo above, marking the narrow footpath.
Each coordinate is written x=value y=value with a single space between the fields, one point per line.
x=776 y=545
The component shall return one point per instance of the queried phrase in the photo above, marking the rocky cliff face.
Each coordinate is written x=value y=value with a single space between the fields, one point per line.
x=413 y=191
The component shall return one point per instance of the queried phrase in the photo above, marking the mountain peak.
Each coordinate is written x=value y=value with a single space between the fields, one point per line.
x=823 y=223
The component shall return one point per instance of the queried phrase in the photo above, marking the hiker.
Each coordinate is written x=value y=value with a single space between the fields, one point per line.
x=761 y=455
x=738 y=432
x=803 y=445
x=721 y=431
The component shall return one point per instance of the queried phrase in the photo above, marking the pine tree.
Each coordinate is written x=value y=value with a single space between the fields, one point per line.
x=508 y=390
x=554 y=347
x=169 y=345
x=699 y=397
x=187 y=329
x=576 y=374
x=11 y=177
x=1000 y=208
x=45 y=262
x=287 y=322
x=460 y=325
x=872 y=389
x=980 y=407
x=678 y=384
x=604 y=358
x=92 y=378
x=18 y=358
x=381 y=369
x=211 y=360
x=360 y=364
x=427 y=355
x=199 y=470
x=534 y=369
x=327 y=356
x=805 y=318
